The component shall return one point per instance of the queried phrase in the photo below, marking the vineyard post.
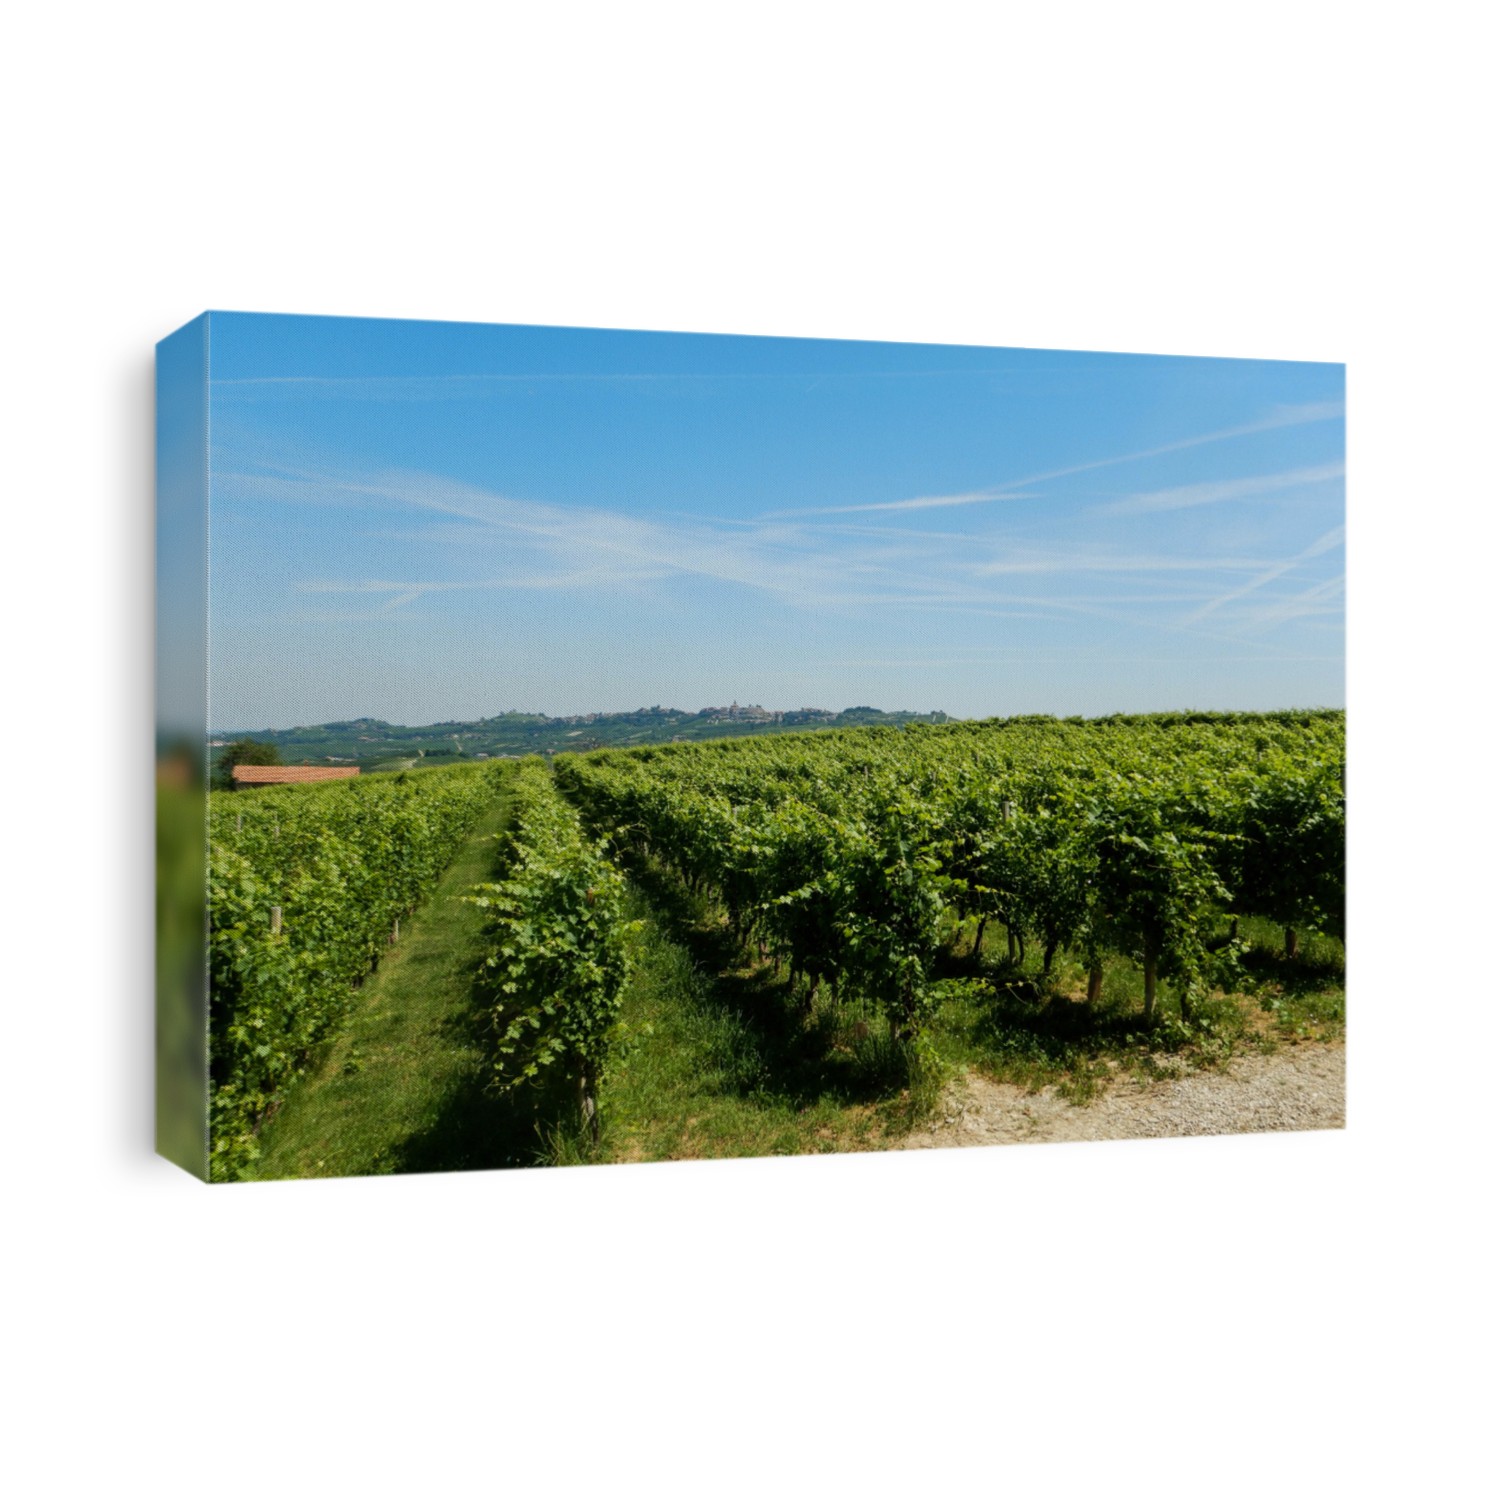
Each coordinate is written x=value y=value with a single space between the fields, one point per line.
x=587 y=1102
x=1007 y=812
x=275 y=920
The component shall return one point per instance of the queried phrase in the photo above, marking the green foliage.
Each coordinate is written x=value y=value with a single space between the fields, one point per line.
x=888 y=889
x=1292 y=867
x=1152 y=880
x=558 y=955
x=845 y=859
x=339 y=862
x=241 y=753
x=839 y=853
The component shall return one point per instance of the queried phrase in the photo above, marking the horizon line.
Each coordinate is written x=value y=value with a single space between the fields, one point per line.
x=808 y=708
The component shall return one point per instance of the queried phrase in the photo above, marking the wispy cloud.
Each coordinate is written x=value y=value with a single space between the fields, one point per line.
x=1317 y=600
x=401 y=592
x=1279 y=416
x=415 y=388
x=1067 y=560
x=918 y=502
x=590 y=547
x=511 y=544
x=1212 y=493
x=489 y=383
x=540 y=546
x=1325 y=543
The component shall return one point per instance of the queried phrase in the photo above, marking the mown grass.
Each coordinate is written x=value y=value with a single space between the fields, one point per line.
x=1302 y=998
x=403 y=1088
x=721 y=1057
x=1002 y=1018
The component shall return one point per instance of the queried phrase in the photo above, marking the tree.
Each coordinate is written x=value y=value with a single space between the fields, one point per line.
x=241 y=753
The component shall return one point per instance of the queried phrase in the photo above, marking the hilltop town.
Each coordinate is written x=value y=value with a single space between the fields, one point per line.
x=375 y=744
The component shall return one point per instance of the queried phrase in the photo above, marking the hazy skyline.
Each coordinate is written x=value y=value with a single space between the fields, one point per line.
x=419 y=522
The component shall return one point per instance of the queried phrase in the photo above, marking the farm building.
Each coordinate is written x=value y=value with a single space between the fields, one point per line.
x=286 y=775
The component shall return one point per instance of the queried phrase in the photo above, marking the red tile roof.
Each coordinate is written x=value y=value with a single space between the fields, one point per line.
x=281 y=775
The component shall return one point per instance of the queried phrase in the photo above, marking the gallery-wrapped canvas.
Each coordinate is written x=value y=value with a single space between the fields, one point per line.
x=584 y=746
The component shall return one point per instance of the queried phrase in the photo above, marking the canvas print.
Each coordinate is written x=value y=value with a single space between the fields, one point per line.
x=586 y=746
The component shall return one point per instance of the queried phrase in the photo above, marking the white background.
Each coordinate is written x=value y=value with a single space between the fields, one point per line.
x=1292 y=1315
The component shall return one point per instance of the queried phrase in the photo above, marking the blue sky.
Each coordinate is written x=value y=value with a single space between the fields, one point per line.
x=421 y=521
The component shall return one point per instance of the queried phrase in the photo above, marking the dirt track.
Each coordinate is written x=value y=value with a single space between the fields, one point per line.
x=1295 y=1088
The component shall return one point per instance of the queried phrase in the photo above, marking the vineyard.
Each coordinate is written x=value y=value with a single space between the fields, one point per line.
x=307 y=887
x=841 y=855
x=846 y=912
x=556 y=969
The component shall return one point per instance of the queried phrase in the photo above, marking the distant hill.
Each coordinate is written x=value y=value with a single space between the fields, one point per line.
x=371 y=742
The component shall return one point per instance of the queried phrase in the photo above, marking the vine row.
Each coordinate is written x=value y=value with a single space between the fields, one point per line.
x=307 y=885
x=558 y=957
x=842 y=853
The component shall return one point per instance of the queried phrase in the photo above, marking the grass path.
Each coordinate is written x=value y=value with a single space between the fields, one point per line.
x=719 y=1058
x=402 y=1087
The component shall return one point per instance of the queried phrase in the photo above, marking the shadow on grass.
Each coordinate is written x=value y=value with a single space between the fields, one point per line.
x=786 y=1051
x=477 y=1127
x=480 y=1129
x=1030 y=1029
x=1017 y=1009
x=1024 y=1021
x=1303 y=975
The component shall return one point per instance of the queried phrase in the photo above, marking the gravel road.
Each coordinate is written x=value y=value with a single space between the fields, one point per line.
x=1295 y=1088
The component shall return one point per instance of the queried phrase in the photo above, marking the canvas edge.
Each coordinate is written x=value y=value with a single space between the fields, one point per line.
x=181 y=727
